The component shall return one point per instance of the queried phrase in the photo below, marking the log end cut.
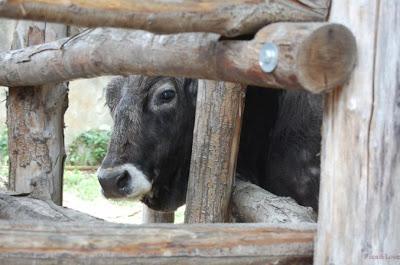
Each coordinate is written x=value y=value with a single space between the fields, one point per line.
x=327 y=58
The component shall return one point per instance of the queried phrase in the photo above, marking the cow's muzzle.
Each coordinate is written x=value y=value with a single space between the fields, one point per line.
x=123 y=181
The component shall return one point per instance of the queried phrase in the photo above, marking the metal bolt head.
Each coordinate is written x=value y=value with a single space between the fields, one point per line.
x=268 y=58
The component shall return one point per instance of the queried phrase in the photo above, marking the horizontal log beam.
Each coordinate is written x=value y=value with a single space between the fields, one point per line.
x=50 y=243
x=226 y=17
x=311 y=56
x=16 y=207
x=252 y=204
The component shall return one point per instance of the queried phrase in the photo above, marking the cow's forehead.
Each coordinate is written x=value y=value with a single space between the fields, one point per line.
x=141 y=86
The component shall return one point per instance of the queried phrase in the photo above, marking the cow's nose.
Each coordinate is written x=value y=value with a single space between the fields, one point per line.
x=123 y=183
x=115 y=184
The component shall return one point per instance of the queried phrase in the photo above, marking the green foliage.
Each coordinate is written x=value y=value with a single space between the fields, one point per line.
x=89 y=148
x=3 y=146
x=83 y=184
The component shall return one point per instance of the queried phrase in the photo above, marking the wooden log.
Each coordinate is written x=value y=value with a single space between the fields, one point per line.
x=226 y=17
x=50 y=243
x=155 y=217
x=252 y=204
x=312 y=56
x=82 y=168
x=359 y=209
x=216 y=137
x=35 y=120
x=16 y=207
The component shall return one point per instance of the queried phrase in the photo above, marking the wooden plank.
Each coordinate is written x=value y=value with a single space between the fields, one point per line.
x=312 y=56
x=65 y=243
x=359 y=198
x=35 y=120
x=216 y=138
x=226 y=17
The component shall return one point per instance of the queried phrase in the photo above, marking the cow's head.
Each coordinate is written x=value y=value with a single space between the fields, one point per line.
x=148 y=157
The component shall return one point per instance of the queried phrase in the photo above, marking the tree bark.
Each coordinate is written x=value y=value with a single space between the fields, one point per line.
x=35 y=120
x=154 y=217
x=19 y=207
x=228 y=18
x=311 y=56
x=359 y=209
x=216 y=137
x=252 y=204
x=55 y=243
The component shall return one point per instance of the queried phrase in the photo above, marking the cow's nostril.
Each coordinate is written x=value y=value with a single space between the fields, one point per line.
x=123 y=181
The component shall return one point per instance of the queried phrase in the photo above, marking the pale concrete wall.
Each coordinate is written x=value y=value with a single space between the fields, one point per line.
x=86 y=109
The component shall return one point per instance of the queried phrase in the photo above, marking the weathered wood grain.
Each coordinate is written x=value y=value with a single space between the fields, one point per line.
x=16 y=207
x=226 y=17
x=35 y=120
x=49 y=243
x=155 y=217
x=359 y=209
x=312 y=56
x=252 y=204
x=216 y=136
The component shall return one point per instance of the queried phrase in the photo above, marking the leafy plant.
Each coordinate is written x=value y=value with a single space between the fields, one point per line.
x=89 y=148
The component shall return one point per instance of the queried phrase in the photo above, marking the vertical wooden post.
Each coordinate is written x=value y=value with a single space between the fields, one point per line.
x=154 y=217
x=359 y=209
x=215 y=146
x=35 y=120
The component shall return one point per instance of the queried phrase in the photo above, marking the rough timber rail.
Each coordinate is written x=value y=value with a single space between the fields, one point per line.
x=226 y=17
x=311 y=56
x=50 y=243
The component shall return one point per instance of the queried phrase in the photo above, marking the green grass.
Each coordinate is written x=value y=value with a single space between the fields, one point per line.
x=86 y=186
x=83 y=184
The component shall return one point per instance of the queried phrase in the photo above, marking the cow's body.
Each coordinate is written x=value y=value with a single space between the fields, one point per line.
x=150 y=149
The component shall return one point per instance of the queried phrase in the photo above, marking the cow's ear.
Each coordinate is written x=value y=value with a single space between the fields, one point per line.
x=191 y=89
x=113 y=92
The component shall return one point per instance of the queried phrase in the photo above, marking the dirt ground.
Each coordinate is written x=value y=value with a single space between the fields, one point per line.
x=104 y=209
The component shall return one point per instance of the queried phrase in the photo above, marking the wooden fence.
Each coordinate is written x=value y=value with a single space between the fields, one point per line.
x=359 y=195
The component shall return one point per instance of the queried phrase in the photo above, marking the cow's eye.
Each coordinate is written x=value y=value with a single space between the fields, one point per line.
x=167 y=95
